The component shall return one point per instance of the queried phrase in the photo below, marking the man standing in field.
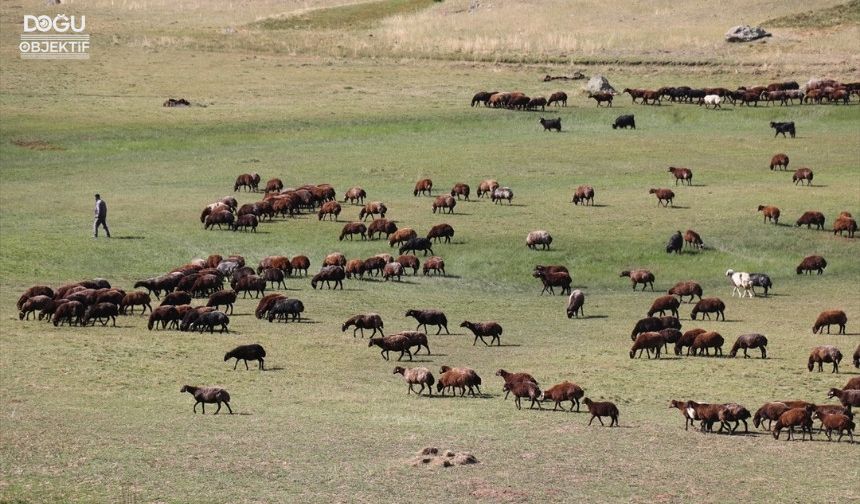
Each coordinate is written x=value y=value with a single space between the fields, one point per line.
x=100 y=213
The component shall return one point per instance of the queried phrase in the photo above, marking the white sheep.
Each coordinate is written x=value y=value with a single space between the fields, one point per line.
x=417 y=376
x=539 y=237
x=740 y=280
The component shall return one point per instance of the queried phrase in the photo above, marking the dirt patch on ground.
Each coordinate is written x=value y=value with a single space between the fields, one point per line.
x=442 y=458
x=484 y=490
x=36 y=145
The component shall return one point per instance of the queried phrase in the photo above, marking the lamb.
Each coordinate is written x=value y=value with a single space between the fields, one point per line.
x=371 y=209
x=640 y=276
x=392 y=270
x=246 y=353
x=502 y=193
x=552 y=279
x=829 y=317
x=675 y=243
x=601 y=409
x=747 y=341
x=487 y=187
x=688 y=288
x=362 y=322
x=693 y=239
x=285 y=309
x=564 y=391
x=329 y=274
x=663 y=195
x=524 y=389
x=444 y=202
x=355 y=194
x=415 y=244
x=812 y=263
x=395 y=342
x=461 y=378
x=708 y=340
x=460 y=189
x=416 y=339
x=539 y=237
x=846 y=397
x=687 y=340
x=779 y=161
x=435 y=264
x=401 y=236
x=575 y=303
x=648 y=341
x=795 y=417
x=682 y=175
x=431 y=317
x=761 y=280
x=417 y=376
x=811 y=218
x=408 y=261
x=208 y=395
x=803 y=174
x=482 y=329
x=707 y=306
x=769 y=411
x=440 y=231
x=70 y=312
x=584 y=194
x=664 y=303
x=839 y=423
x=423 y=187
x=511 y=378
x=825 y=353
x=771 y=213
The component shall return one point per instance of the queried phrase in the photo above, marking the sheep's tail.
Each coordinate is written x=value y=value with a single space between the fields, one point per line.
x=430 y=379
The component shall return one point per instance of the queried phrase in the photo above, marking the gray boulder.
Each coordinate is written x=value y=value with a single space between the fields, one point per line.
x=746 y=33
x=599 y=84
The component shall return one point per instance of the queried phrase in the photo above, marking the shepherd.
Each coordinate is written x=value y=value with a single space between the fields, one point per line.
x=100 y=213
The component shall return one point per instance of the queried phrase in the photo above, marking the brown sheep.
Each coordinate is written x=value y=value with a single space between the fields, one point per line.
x=224 y=298
x=708 y=340
x=829 y=317
x=802 y=174
x=688 y=288
x=353 y=228
x=481 y=329
x=564 y=391
x=251 y=283
x=133 y=299
x=559 y=98
x=857 y=357
x=601 y=97
x=707 y=306
x=300 y=263
x=329 y=274
x=334 y=259
x=443 y=202
x=278 y=262
x=460 y=189
x=266 y=303
x=379 y=226
x=812 y=263
x=395 y=343
x=354 y=267
x=811 y=218
x=601 y=409
x=487 y=187
x=638 y=276
x=770 y=412
x=843 y=224
x=825 y=353
x=371 y=209
x=36 y=290
x=693 y=239
x=838 y=422
x=355 y=195
x=32 y=305
x=435 y=264
x=408 y=261
x=770 y=213
x=648 y=341
x=733 y=412
x=707 y=414
x=70 y=312
x=440 y=231
x=552 y=279
x=431 y=317
x=364 y=321
x=461 y=378
x=417 y=376
x=583 y=194
x=511 y=378
x=846 y=397
x=218 y=218
x=682 y=407
x=249 y=181
x=401 y=236
x=176 y=298
x=424 y=187
x=682 y=175
x=779 y=161
x=795 y=417
x=274 y=185
x=687 y=340
x=524 y=389
x=747 y=341
x=374 y=265
x=204 y=395
x=853 y=384
x=329 y=209
x=663 y=195
x=392 y=270
x=664 y=303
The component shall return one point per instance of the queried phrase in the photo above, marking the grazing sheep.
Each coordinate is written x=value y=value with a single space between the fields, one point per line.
x=440 y=231
x=246 y=221
x=802 y=174
x=176 y=298
x=286 y=309
x=101 y=312
x=423 y=187
x=460 y=189
x=429 y=317
x=638 y=276
x=482 y=329
x=374 y=265
x=444 y=201
x=559 y=98
x=33 y=304
x=693 y=239
x=648 y=341
x=584 y=194
x=707 y=306
x=334 y=259
x=371 y=209
x=408 y=261
x=601 y=409
x=829 y=317
x=208 y=395
x=164 y=314
x=812 y=263
x=275 y=277
x=564 y=391
x=843 y=224
x=392 y=270
x=211 y=319
x=795 y=417
x=415 y=244
x=853 y=384
x=761 y=280
x=839 y=423
x=401 y=236
x=748 y=341
x=624 y=122
x=675 y=244
x=36 y=290
x=300 y=263
x=848 y=398
x=687 y=339
x=354 y=267
x=539 y=237
x=649 y=324
x=825 y=353
x=551 y=279
x=355 y=195
x=502 y=193
x=575 y=303
x=708 y=340
x=69 y=312
x=663 y=195
x=329 y=274
x=524 y=389
x=364 y=321
x=395 y=342
x=511 y=378
x=224 y=298
x=779 y=161
x=133 y=299
x=811 y=218
x=769 y=411
x=266 y=304
x=770 y=213
x=380 y=226
x=707 y=414
x=461 y=378
x=688 y=288
x=417 y=376
x=664 y=303
x=219 y=218
x=353 y=228
x=190 y=316
x=330 y=209
x=682 y=175
x=250 y=283
x=274 y=185
x=534 y=103
x=741 y=283
x=601 y=97
x=487 y=187
x=435 y=264
x=246 y=353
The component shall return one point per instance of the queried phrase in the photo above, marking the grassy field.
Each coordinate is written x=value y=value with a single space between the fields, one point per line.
x=94 y=415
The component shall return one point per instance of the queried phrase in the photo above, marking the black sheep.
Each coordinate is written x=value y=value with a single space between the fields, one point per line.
x=676 y=242
x=624 y=121
x=246 y=353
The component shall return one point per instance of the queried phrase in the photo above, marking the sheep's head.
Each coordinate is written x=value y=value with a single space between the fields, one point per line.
x=398 y=370
x=444 y=369
x=465 y=323
x=184 y=388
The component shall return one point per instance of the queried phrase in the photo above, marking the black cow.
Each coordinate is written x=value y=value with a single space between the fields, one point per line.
x=551 y=124
x=783 y=127
x=624 y=121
